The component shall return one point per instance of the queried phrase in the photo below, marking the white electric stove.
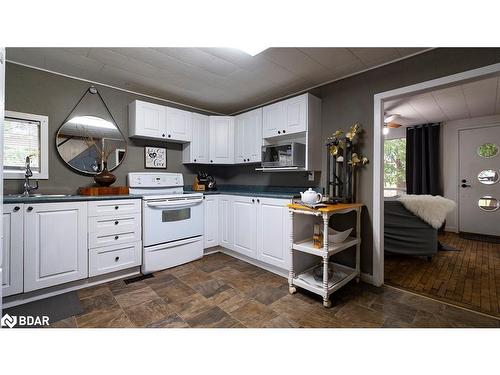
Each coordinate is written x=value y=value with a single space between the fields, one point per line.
x=172 y=221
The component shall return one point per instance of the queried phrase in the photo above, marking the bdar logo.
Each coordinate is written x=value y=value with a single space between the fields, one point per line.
x=9 y=321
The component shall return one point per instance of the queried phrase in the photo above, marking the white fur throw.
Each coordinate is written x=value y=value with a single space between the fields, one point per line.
x=431 y=209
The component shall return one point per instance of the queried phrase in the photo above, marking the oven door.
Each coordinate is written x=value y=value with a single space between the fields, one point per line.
x=169 y=220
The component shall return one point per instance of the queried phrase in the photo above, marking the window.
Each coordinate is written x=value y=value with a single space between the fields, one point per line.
x=25 y=135
x=394 y=167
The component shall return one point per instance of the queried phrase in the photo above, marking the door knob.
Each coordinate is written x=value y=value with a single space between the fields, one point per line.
x=465 y=185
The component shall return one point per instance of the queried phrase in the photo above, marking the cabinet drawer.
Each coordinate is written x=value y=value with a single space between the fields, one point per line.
x=115 y=224
x=97 y=239
x=114 y=207
x=114 y=258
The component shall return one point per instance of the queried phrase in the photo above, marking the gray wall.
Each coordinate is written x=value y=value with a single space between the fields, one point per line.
x=344 y=102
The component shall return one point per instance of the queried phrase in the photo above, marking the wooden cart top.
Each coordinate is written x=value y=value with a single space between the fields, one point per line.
x=328 y=209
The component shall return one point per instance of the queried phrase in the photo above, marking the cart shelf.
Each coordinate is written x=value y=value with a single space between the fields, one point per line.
x=342 y=275
x=306 y=246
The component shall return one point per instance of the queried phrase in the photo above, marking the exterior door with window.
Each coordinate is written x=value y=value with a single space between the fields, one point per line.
x=479 y=206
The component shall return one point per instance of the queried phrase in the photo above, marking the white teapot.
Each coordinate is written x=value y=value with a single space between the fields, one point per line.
x=310 y=196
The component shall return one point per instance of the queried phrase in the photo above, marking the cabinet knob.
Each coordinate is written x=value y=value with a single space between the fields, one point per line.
x=195 y=160
x=284 y=131
x=163 y=135
x=258 y=200
x=279 y=132
x=116 y=207
x=29 y=209
x=116 y=222
x=464 y=181
x=169 y=136
x=253 y=200
x=211 y=161
x=116 y=237
x=117 y=259
x=17 y=208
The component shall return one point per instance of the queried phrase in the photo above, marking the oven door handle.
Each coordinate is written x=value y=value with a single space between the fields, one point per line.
x=176 y=204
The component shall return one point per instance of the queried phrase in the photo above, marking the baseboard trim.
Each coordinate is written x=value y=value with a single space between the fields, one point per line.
x=36 y=295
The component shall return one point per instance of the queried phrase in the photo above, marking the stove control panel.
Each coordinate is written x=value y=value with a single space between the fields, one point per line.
x=152 y=179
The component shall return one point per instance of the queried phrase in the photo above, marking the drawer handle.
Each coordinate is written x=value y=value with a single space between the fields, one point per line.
x=116 y=207
x=116 y=237
x=116 y=222
x=117 y=259
x=17 y=208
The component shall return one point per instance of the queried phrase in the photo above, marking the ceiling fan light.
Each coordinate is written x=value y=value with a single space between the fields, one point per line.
x=391 y=118
x=385 y=130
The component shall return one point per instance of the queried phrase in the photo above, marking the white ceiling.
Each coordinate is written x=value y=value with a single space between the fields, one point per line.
x=221 y=80
x=474 y=99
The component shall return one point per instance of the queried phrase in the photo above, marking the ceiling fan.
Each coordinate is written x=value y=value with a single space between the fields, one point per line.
x=391 y=122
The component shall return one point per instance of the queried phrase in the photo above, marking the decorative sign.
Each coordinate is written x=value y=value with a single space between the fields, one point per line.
x=155 y=157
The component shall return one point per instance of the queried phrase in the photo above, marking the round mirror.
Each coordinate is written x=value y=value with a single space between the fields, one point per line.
x=488 y=203
x=488 y=177
x=487 y=150
x=87 y=143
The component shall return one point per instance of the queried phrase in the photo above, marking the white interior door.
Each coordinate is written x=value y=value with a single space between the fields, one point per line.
x=479 y=206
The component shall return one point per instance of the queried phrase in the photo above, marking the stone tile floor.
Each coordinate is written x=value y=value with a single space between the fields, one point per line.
x=221 y=291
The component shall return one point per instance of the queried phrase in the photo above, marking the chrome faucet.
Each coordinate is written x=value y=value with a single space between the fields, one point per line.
x=26 y=186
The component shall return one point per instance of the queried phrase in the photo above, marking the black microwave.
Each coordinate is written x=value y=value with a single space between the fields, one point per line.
x=292 y=154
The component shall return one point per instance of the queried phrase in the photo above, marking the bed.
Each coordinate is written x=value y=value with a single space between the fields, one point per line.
x=405 y=233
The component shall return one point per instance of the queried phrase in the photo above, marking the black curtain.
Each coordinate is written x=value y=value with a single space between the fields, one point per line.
x=423 y=173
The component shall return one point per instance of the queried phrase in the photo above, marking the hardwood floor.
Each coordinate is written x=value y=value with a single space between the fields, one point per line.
x=468 y=278
x=221 y=291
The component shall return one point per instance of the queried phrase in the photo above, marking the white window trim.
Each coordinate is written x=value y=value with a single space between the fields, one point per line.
x=44 y=146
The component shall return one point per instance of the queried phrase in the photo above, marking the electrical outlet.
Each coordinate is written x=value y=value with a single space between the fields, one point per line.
x=310 y=175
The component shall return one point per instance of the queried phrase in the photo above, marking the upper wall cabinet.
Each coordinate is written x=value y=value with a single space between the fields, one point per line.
x=153 y=121
x=289 y=116
x=147 y=120
x=197 y=151
x=179 y=125
x=248 y=137
x=221 y=140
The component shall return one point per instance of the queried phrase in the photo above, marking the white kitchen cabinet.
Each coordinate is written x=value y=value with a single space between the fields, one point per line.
x=273 y=120
x=226 y=221
x=211 y=214
x=147 y=120
x=273 y=232
x=295 y=115
x=197 y=151
x=290 y=116
x=248 y=137
x=244 y=225
x=179 y=124
x=55 y=244
x=221 y=140
x=12 y=275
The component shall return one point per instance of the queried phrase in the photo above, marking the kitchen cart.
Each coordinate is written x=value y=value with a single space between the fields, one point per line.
x=303 y=255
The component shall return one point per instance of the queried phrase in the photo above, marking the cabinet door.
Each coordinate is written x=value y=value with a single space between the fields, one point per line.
x=200 y=141
x=147 y=120
x=211 y=212
x=225 y=221
x=178 y=125
x=12 y=275
x=273 y=232
x=221 y=139
x=55 y=244
x=273 y=120
x=295 y=115
x=248 y=137
x=244 y=221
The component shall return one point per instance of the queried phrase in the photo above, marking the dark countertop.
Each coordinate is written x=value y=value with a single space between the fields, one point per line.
x=16 y=198
x=282 y=192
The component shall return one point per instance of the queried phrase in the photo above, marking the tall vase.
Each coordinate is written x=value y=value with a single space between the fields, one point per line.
x=105 y=177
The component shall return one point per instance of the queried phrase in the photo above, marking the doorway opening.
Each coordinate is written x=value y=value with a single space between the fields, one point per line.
x=440 y=137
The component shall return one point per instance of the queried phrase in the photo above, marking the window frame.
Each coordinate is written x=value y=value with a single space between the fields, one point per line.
x=396 y=189
x=43 y=174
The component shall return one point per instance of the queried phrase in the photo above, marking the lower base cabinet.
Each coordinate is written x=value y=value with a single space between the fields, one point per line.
x=256 y=227
x=55 y=244
x=114 y=258
x=12 y=262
